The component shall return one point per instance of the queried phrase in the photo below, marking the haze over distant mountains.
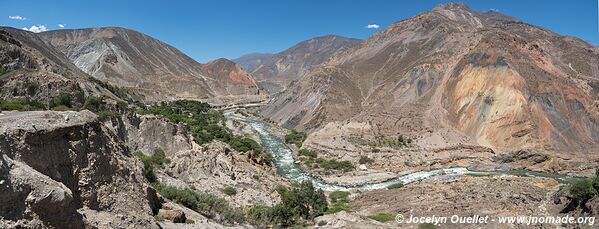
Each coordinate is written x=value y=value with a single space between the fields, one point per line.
x=275 y=72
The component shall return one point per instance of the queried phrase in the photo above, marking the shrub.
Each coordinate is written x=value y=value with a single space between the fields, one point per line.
x=382 y=217
x=2 y=71
x=92 y=103
x=158 y=159
x=427 y=226
x=365 y=160
x=298 y=203
x=63 y=99
x=295 y=137
x=204 y=203
x=307 y=153
x=32 y=87
x=336 y=165
x=338 y=202
x=322 y=223
x=229 y=191
x=339 y=196
x=21 y=104
x=583 y=190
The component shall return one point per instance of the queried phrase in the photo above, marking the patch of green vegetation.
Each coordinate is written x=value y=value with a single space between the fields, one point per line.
x=307 y=153
x=32 y=86
x=328 y=164
x=92 y=103
x=295 y=137
x=382 y=217
x=156 y=160
x=299 y=203
x=396 y=185
x=21 y=104
x=399 y=142
x=585 y=189
x=63 y=99
x=365 y=160
x=158 y=218
x=207 y=125
x=205 y=203
x=339 y=202
x=3 y=71
x=229 y=191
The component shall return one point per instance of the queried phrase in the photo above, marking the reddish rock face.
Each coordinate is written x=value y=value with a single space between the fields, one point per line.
x=226 y=70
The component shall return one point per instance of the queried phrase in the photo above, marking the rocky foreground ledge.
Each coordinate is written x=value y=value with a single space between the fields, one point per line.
x=66 y=170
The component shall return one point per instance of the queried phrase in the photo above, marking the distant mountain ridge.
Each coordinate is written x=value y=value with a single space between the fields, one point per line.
x=274 y=73
x=249 y=62
x=148 y=66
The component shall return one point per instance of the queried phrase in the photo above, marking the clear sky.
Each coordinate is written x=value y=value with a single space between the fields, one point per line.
x=210 y=29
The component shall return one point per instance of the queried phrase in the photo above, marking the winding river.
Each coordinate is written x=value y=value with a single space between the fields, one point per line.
x=286 y=166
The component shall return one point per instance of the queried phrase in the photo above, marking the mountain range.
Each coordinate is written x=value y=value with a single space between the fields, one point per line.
x=452 y=73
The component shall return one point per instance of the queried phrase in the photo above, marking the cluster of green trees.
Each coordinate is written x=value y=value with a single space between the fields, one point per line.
x=207 y=125
x=311 y=159
x=585 y=189
x=295 y=137
x=299 y=203
x=207 y=204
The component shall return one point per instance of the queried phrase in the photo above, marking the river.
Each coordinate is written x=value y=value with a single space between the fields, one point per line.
x=285 y=164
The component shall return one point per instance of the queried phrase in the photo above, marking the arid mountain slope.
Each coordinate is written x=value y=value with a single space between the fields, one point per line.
x=38 y=71
x=485 y=78
x=281 y=69
x=153 y=68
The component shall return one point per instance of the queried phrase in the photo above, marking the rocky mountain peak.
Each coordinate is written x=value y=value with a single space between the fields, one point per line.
x=453 y=6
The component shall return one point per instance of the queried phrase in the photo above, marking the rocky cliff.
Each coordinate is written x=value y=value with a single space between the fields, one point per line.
x=66 y=170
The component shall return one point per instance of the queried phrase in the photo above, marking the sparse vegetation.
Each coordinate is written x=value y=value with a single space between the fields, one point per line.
x=299 y=203
x=427 y=226
x=92 y=103
x=339 y=202
x=2 y=71
x=365 y=160
x=229 y=191
x=382 y=217
x=118 y=91
x=307 y=153
x=205 y=203
x=63 y=99
x=316 y=162
x=21 y=104
x=156 y=160
x=295 y=137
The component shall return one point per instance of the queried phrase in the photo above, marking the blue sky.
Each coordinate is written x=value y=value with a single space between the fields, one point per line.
x=210 y=29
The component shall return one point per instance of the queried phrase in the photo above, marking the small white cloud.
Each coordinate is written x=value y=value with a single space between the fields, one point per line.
x=62 y=25
x=493 y=10
x=17 y=17
x=373 y=26
x=36 y=29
